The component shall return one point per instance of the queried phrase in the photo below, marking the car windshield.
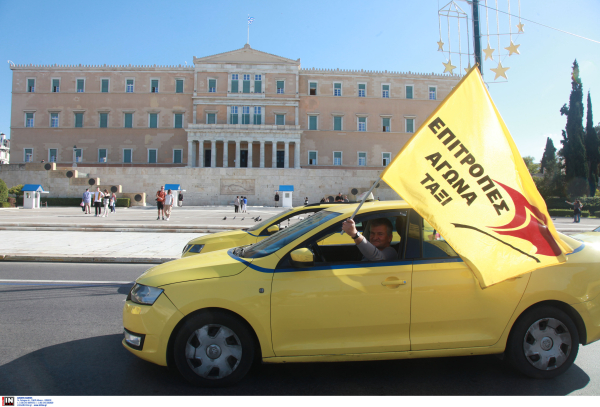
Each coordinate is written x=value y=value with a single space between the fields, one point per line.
x=271 y=219
x=597 y=229
x=287 y=235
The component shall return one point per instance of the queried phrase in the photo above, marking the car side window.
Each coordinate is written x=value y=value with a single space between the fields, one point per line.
x=291 y=219
x=434 y=245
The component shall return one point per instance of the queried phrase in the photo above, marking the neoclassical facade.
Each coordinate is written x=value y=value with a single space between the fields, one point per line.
x=239 y=109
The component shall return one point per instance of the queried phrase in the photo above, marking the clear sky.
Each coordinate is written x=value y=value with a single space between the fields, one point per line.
x=396 y=35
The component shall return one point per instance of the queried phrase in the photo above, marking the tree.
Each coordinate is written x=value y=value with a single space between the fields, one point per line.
x=531 y=165
x=592 y=148
x=16 y=190
x=573 y=143
x=549 y=156
x=3 y=191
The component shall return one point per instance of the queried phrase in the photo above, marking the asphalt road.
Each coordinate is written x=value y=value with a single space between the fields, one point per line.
x=62 y=336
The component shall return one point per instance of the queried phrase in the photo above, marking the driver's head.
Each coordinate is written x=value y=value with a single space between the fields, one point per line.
x=381 y=233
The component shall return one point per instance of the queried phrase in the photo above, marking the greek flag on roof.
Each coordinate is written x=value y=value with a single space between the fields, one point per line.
x=250 y=20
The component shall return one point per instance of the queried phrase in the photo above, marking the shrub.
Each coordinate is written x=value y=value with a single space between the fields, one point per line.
x=3 y=191
x=5 y=205
x=121 y=202
x=568 y=213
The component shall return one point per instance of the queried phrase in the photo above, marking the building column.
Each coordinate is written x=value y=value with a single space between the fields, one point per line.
x=286 y=159
x=194 y=158
x=225 y=153
x=213 y=154
x=190 y=161
x=297 y=154
x=237 y=154
x=262 y=154
x=296 y=114
x=250 y=154
x=201 y=154
x=274 y=154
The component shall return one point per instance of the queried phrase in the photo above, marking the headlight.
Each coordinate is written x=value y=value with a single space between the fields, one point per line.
x=143 y=294
x=196 y=248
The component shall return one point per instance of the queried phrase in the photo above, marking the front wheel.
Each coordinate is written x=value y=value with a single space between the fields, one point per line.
x=213 y=349
x=543 y=343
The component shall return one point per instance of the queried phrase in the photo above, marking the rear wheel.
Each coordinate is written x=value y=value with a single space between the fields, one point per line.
x=213 y=349
x=543 y=343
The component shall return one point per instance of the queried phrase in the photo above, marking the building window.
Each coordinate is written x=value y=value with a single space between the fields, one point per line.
x=337 y=158
x=152 y=154
x=280 y=119
x=127 y=155
x=53 y=119
x=28 y=155
x=432 y=93
x=177 y=155
x=385 y=159
x=246 y=84
x=129 y=86
x=410 y=125
x=29 y=119
x=128 y=120
x=362 y=90
x=212 y=86
x=312 y=158
x=178 y=85
x=52 y=152
x=257 y=83
x=178 y=121
x=211 y=118
x=154 y=85
x=281 y=87
x=78 y=119
x=246 y=115
x=101 y=155
x=337 y=123
x=337 y=89
x=30 y=85
x=385 y=91
x=153 y=120
x=55 y=85
x=362 y=124
x=362 y=159
x=80 y=85
x=103 y=120
x=312 y=88
x=312 y=122
x=78 y=152
x=409 y=91
x=257 y=115
x=385 y=121
x=104 y=86
x=234 y=83
x=233 y=115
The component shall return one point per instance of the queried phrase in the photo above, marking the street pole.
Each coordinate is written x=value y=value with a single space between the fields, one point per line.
x=476 y=35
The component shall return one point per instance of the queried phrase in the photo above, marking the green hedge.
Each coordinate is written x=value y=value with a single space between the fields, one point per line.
x=4 y=205
x=121 y=202
x=567 y=213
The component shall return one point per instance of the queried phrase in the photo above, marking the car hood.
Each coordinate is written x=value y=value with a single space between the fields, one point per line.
x=588 y=237
x=202 y=266
x=220 y=237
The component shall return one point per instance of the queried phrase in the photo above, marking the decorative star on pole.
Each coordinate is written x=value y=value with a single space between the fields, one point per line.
x=520 y=27
x=468 y=68
x=489 y=53
x=449 y=67
x=500 y=71
x=440 y=45
x=513 y=49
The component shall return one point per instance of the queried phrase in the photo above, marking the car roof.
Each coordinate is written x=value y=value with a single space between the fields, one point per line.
x=369 y=206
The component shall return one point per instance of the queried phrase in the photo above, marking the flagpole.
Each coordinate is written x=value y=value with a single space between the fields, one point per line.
x=363 y=200
x=248 y=40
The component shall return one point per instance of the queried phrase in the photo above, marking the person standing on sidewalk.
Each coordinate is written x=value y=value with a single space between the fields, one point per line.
x=276 y=199
x=87 y=200
x=245 y=204
x=236 y=204
x=577 y=207
x=168 y=204
x=160 y=202
x=113 y=202
x=106 y=200
x=305 y=201
x=98 y=202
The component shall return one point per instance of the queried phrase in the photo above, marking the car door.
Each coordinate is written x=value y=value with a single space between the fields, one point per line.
x=449 y=309
x=341 y=305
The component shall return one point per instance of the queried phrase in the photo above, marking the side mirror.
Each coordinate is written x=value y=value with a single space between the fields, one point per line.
x=302 y=258
x=273 y=229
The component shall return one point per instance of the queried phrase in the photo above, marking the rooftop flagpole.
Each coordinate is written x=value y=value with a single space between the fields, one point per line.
x=250 y=20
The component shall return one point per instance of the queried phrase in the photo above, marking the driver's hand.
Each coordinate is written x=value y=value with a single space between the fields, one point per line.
x=349 y=227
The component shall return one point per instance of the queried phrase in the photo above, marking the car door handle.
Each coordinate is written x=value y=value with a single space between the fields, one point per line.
x=393 y=282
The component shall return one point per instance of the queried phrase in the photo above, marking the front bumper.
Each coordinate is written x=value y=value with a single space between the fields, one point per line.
x=156 y=323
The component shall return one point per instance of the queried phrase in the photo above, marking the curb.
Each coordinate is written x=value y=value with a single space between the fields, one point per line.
x=95 y=229
x=88 y=259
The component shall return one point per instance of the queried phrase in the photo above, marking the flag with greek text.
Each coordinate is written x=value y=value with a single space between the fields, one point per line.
x=462 y=172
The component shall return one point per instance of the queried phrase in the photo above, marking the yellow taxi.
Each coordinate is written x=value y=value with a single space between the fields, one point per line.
x=258 y=232
x=290 y=298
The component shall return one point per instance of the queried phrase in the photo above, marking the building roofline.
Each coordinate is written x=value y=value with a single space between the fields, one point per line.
x=247 y=46
x=130 y=67
x=338 y=71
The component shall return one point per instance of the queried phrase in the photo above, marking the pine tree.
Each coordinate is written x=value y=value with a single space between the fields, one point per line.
x=549 y=157
x=573 y=146
x=592 y=148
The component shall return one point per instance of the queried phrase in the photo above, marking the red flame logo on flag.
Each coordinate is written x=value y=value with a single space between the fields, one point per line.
x=536 y=232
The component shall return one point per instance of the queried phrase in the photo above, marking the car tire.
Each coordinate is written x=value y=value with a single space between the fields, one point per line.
x=543 y=343
x=213 y=349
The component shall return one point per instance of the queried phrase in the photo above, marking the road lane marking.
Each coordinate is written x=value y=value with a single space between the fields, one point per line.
x=62 y=282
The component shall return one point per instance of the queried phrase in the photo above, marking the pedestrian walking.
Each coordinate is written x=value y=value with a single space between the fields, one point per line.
x=87 y=201
x=160 y=202
x=98 y=195
x=323 y=200
x=180 y=200
x=276 y=199
x=245 y=204
x=113 y=202
x=236 y=204
x=305 y=201
x=168 y=204
x=339 y=197
x=577 y=207
x=346 y=198
x=106 y=202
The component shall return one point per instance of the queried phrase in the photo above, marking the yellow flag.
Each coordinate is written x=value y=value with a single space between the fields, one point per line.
x=463 y=173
